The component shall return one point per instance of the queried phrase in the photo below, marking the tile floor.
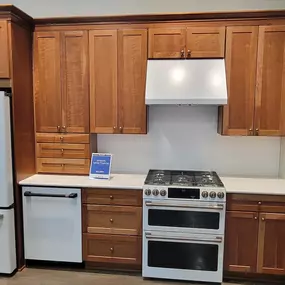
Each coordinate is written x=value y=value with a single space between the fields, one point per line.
x=31 y=276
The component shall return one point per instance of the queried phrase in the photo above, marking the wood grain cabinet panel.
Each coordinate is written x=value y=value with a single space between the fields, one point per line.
x=4 y=50
x=237 y=117
x=112 y=249
x=271 y=250
x=122 y=220
x=166 y=43
x=59 y=150
x=75 y=82
x=47 y=82
x=63 y=166
x=62 y=138
x=270 y=87
x=103 y=81
x=205 y=42
x=118 y=197
x=132 y=61
x=241 y=238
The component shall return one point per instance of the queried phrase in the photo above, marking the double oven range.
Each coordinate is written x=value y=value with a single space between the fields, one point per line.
x=183 y=225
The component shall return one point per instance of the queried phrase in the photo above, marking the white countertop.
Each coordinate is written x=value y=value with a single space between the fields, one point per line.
x=117 y=181
x=136 y=181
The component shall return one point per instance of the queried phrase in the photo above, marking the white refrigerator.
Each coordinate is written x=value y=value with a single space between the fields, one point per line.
x=7 y=222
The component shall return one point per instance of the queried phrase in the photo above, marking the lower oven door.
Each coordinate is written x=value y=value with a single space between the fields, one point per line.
x=186 y=216
x=183 y=257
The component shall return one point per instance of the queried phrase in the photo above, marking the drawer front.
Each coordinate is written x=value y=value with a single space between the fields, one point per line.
x=112 y=249
x=61 y=150
x=112 y=197
x=112 y=220
x=62 y=138
x=63 y=166
x=261 y=203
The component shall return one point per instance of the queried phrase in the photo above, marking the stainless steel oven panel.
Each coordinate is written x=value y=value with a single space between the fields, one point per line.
x=209 y=224
x=183 y=240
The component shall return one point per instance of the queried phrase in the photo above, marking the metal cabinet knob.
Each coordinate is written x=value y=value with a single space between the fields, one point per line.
x=61 y=138
x=111 y=249
x=64 y=128
x=255 y=218
x=257 y=131
x=111 y=220
x=182 y=53
x=58 y=128
x=189 y=53
x=263 y=219
x=111 y=197
x=259 y=203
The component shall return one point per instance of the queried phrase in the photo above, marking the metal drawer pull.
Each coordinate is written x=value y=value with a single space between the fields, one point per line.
x=30 y=194
x=216 y=240
x=149 y=203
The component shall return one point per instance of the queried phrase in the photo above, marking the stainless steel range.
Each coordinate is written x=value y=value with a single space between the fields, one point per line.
x=183 y=225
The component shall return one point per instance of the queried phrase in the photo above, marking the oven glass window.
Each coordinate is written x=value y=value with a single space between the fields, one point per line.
x=183 y=219
x=180 y=255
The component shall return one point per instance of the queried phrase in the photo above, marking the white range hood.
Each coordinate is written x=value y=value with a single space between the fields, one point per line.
x=186 y=82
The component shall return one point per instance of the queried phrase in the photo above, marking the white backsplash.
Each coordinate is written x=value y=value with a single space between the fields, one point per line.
x=186 y=138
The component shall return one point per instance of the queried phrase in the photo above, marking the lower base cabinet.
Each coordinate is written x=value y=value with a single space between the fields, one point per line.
x=112 y=223
x=112 y=249
x=255 y=240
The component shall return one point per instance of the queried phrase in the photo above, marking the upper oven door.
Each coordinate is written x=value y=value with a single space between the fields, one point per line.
x=192 y=217
x=185 y=257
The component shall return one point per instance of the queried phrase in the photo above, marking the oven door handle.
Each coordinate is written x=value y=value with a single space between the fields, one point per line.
x=154 y=236
x=184 y=205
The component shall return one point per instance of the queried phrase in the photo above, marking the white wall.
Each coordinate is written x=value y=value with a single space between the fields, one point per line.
x=53 y=8
x=282 y=159
x=186 y=138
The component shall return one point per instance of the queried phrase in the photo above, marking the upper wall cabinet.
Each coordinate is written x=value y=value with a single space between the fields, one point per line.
x=255 y=64
x=61 y=82
x=117 y=81
x=4 y=50
x=192 y=42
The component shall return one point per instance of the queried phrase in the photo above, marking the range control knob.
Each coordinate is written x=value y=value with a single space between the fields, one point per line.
x=147 y=192
x=205 y=194
x=213 y=194
x=155 y=192
x=163 y=192
x=221 y=195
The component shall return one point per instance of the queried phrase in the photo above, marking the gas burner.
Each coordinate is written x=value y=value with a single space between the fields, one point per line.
x=182 y=180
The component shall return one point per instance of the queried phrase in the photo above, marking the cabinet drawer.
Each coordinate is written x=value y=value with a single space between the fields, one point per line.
x=112 y=220
x=60 y=150
x=62 y=138
x=112 y=249
x=112 y=197
x=63 y=166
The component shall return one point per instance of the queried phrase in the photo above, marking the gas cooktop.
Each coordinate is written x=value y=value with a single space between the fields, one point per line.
x=183 y=178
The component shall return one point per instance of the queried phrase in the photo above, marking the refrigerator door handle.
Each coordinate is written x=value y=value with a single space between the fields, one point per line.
x=30 y=194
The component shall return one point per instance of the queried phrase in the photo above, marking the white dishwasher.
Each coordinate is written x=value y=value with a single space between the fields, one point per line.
x=52 y=224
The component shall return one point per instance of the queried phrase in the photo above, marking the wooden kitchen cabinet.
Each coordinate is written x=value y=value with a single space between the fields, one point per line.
x=103 y=81
x=241 y=239
x=61 y=82
x=47 y=82
x=254 y=240
x=255 y=66
x=117 y=80
x=4 y=50
x=190 y=42
x=132 y=61
x=270 y=86
x=271 y=252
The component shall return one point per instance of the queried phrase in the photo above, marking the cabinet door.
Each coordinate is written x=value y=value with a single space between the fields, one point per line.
x=47 y=85
x=241 y=53
x=166 y=43
x=241 y=241
x=132 y=60
x=103 y=81
x=75 y=82
x=271 y=246
x=270 y=87
x=205 y=42
x=4 y=50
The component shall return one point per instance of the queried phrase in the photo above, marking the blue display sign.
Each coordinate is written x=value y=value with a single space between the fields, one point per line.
x=100 y=167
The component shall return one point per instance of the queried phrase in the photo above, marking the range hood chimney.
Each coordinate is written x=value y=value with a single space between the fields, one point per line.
x=186 y=82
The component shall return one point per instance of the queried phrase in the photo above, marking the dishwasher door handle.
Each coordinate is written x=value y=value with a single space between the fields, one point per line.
x=30 y=194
